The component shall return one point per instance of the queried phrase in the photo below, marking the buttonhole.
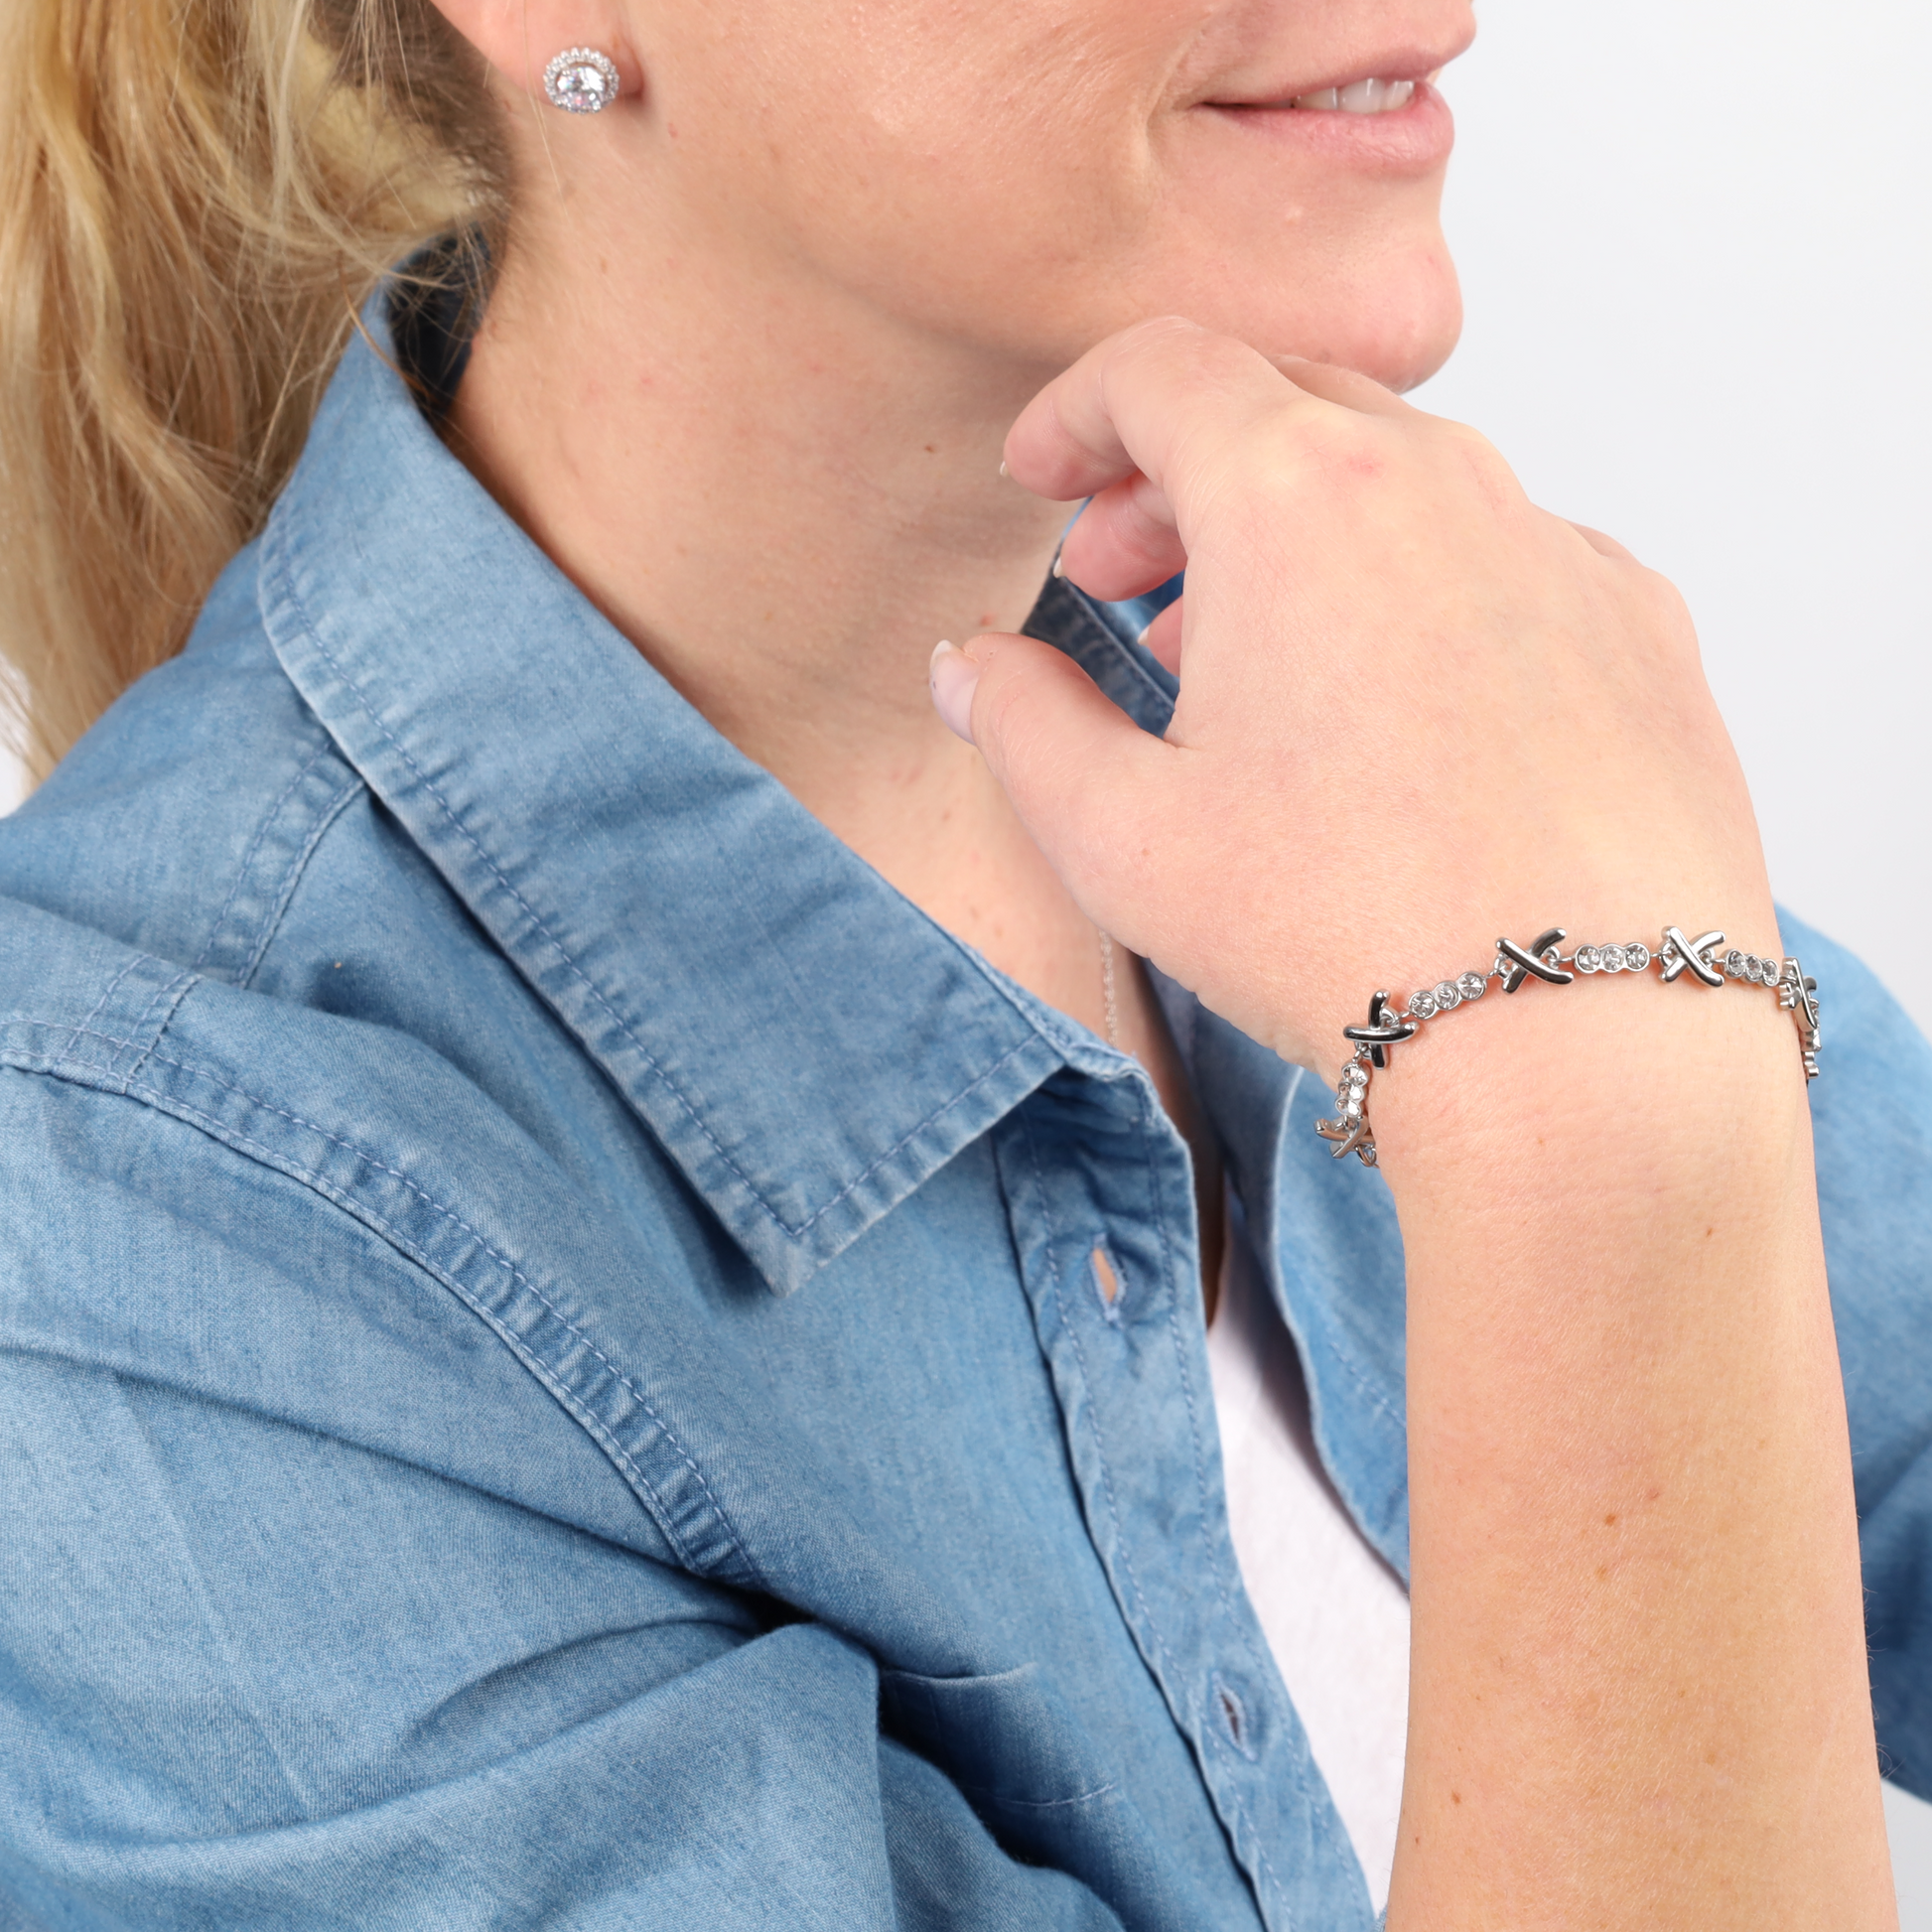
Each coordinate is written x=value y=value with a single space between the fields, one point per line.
x=1106 y=1280
x=1234 y=1715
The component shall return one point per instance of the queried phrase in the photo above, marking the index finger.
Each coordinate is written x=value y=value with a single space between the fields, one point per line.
x=1165 y=398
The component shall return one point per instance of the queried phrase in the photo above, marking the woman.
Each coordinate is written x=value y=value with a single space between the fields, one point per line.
x=619 y=1289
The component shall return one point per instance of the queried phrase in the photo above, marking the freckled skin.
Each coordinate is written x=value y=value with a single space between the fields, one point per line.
x=845 y=246
x=1027 y=175
x=843 y=250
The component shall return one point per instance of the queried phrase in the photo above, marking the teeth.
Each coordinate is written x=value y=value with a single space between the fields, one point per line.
x=1360 y=98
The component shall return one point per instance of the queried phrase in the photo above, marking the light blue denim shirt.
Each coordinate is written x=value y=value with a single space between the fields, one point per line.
x=552 y=1362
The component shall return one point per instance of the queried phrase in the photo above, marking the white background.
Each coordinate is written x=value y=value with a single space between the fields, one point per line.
x=1695 y=247
x=1697 y=262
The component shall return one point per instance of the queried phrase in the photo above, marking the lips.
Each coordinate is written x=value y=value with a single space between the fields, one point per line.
x=1383 y=79
x=1372 y=96
x=1408 y=136
x=1368 y=108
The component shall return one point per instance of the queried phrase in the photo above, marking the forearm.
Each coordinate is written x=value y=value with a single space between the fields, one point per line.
x=1639 y=1691
x=1410 y=700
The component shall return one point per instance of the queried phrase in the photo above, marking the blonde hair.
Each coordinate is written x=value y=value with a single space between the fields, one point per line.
x=194 y=197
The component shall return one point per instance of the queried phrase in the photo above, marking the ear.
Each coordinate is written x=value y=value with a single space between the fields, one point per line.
x=521 y=38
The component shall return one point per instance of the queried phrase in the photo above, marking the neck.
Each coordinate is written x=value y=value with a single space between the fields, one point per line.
x=783 y=499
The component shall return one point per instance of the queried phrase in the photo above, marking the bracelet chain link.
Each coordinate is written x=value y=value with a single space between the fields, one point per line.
x=1676 y=957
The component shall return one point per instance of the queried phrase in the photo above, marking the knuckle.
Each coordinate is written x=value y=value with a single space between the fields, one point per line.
x=1335 y=451
x=1660 y=617
x=1480 y=461
x=1186 y=354
x=1662 y=597
x=1136 y=515
x=1157 y=333
x=1357 y=449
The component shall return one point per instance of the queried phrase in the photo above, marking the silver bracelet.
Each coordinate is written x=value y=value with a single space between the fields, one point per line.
x=1694 y=960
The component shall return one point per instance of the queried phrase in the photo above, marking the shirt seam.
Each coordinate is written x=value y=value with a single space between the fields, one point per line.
x=93 y=1011
x=299 y=865
x=179 y=988
x=1180 y=1357
x=1087 y=609
x=267 y=819
x=361 y=1209
x=1233 y=1797
x=597 y=993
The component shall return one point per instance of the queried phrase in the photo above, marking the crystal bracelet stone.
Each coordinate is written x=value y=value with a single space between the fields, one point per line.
x=1695 y=960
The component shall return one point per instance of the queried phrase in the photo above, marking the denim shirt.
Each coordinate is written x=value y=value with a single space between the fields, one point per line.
x=567 y=1356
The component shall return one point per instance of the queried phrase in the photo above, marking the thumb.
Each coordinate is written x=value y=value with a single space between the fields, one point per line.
x=1085 y=779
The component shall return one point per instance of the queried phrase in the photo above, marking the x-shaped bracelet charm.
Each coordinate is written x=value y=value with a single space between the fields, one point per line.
x=1529 y=959
x=1388 y=1026
x=1384 y=1031
x=1351 y=1136
x=1682 y=955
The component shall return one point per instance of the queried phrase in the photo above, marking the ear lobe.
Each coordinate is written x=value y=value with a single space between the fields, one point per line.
x=521 y=38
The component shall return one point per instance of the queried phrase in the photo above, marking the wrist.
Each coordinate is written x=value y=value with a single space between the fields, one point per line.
x=1641 y=1102
x=1541 y=966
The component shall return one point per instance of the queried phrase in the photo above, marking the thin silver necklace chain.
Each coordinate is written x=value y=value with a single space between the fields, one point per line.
x=1108 y=986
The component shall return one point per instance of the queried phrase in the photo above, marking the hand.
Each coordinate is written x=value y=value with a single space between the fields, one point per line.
x=1416 y=711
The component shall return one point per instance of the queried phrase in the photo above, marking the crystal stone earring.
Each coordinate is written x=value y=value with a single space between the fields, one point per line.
x=581 y=81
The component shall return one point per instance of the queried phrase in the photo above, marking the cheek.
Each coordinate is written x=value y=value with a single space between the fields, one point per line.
x=932 y=156
x=1009 y=174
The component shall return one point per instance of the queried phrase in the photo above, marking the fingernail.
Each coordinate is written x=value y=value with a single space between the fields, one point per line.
x=951 y=676
x=1003 y=466
x=1140 y=637
x=1059 y=570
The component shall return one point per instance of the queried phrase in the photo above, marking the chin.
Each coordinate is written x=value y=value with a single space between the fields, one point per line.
x=1402 y=346
x=1395 y=324
x=1393 y=317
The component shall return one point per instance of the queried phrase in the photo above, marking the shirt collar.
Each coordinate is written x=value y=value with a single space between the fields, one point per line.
x=804 y=1042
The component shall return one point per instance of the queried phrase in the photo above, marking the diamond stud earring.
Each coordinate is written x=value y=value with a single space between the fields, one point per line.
x=581 y=81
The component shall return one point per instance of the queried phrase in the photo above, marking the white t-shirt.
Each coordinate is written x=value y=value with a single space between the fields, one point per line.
x=1335 y=1615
